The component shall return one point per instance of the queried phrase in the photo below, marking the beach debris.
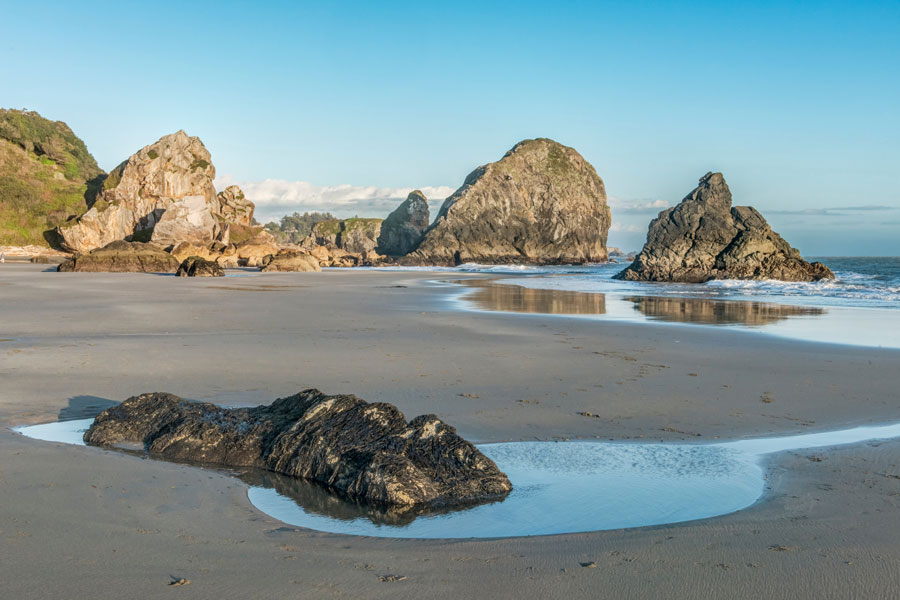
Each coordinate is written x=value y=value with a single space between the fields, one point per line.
x=391 y=578
x=589 y=565
x=179 y=581
x=767 y=398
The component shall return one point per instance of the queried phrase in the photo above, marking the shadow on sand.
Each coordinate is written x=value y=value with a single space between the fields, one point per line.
x=84 y=407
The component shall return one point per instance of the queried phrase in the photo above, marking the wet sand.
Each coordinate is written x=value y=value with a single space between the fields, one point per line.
x=82 y=522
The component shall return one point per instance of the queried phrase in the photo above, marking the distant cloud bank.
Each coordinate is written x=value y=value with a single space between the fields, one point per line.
x=275 y=198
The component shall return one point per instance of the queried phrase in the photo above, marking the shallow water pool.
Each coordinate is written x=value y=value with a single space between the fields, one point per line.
x=558 y=487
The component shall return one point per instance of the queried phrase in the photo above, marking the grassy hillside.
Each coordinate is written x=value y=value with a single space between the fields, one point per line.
x=46 y=176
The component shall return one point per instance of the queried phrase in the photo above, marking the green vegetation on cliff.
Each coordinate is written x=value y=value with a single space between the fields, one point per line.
x=47 y=175
x=51 y=141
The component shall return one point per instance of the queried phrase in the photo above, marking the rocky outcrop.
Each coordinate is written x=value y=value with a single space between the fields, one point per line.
x=403 y=229
x=350 y=235
x=164 y=193
x=363 y=451
x=233 y=207
x=195 y=266
x=705 y=238
x=542 y=203
x=137 y=193
x=290 y=260
x=123 y=257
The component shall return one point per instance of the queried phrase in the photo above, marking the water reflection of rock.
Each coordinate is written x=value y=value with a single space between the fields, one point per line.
x=317 y=499
x=514 y=298
x=718 y=312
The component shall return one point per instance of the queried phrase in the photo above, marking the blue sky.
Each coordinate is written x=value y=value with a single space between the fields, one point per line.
x=348 y=105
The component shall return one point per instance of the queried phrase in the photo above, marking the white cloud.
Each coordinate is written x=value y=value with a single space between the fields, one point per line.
x=620 y=228
x=636 y=207
x=275 y=198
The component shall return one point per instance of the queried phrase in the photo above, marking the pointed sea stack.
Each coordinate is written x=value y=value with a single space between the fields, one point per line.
x=542 y=203
x=705 y=238
x=403 y=229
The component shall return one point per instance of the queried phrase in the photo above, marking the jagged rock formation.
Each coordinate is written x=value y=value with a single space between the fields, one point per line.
x=705 y=238
x=361 y=450
x=403 y=229
x=123 y=257
x=542 y=203
x=163 y=193
x=290 y=260
x=233 y=207
x=195 y=266
x=47 y=176
x=350 y=235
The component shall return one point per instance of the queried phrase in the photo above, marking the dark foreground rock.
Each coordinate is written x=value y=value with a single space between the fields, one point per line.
x=123 y=257
x=196 y=266
x=705 y=238
x=364 y=451
x=542 y=203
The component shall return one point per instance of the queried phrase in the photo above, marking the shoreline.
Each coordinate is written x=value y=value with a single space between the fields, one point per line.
x=792 y=321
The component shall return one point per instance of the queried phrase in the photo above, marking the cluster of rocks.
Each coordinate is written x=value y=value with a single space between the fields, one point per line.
x=363 y=451
x=542 y=203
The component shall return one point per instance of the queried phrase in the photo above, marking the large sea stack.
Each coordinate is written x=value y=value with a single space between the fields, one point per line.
x=164 y=193
x=363 y=451
x=542 y=203
x=705 y=238
x=403 y=229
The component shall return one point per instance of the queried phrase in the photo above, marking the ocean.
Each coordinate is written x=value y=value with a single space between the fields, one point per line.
x=861 y=306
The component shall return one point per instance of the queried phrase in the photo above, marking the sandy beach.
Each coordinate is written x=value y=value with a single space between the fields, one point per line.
x=79 y=522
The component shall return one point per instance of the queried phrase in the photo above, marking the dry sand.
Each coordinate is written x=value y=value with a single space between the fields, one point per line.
x=86 y=523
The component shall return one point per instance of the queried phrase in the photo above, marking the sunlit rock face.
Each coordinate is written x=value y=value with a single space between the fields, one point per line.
x=542 y=203
x=704 y=237
x=163 y=193
x=364 y=451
